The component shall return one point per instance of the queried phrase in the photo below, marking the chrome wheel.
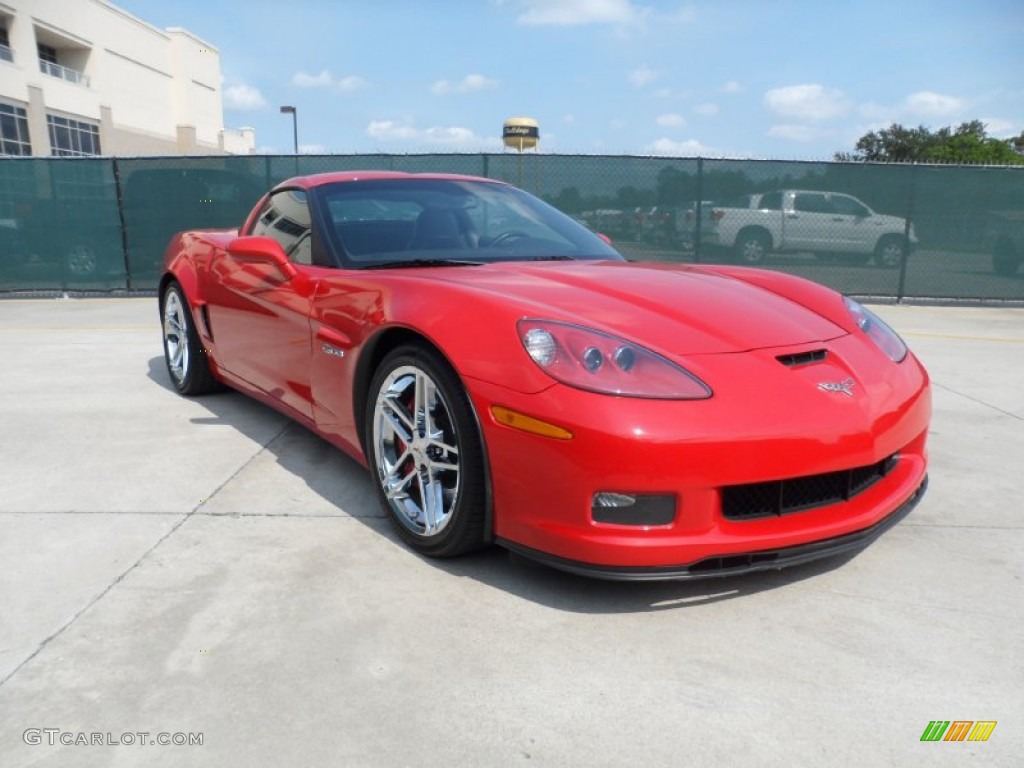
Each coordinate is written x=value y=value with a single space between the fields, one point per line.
x=889 y=253
x=176 y=337
x=416 y=451
x=82 y=260
x=752 y=249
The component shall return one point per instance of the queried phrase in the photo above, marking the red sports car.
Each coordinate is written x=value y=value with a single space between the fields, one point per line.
x=508 y=377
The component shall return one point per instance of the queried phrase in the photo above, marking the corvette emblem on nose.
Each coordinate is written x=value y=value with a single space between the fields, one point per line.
x=845 y=386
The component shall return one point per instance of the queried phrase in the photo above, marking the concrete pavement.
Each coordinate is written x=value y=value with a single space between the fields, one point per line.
x=205 y=567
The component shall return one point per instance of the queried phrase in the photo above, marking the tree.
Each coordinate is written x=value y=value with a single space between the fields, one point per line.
x=966 y=144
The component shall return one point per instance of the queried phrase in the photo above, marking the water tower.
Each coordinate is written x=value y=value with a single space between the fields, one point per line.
x=520 y=134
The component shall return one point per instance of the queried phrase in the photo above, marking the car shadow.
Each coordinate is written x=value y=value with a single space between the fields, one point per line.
x=345 y=484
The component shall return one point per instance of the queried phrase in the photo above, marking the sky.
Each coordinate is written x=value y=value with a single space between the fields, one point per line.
x=771 y=79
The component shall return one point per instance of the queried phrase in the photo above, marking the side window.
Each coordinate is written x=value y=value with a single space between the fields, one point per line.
x=285 y=218
x=770 y=201
x=847 y=206
x=812 y=204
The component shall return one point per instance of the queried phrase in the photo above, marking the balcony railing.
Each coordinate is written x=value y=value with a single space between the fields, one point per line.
x=65 y=73
x=6 y=54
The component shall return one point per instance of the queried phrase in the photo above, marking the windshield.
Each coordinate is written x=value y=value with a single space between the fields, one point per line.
x=426 y=222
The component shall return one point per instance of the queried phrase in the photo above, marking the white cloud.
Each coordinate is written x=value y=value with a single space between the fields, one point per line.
x=642 y=76
x=468 y=84
x=666 y=146
x=302 y=80
x=671 y=121
x=732 y=87
x=807 y=102
x=929 y=107
x=685 y=15
x=243 y=98
x=569 y=119
x=931 y=104
x=792 y=132
x=350 y=83
x=405 y=132
x=707 y=109
x=313 y=149
x=389 y=130
x=326 y=80
x=578 y=12
x=1001 y=129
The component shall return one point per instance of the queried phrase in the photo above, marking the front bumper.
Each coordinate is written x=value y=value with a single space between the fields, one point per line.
x=544 y=489
x=730 y=565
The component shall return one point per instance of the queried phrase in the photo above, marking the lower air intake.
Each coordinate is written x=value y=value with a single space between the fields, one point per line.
x=780 y=497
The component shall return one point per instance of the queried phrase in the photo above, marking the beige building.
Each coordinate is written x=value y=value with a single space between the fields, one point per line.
x=84 y=77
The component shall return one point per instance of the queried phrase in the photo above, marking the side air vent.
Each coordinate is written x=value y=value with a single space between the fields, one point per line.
x=803 y=358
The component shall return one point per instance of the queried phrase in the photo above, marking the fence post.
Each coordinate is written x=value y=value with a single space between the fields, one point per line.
x=698 y=211
x=907 y=219
x=487 y=166
x=119 y=193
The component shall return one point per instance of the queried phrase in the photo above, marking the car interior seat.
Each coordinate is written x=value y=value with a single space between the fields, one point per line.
x=438 y=228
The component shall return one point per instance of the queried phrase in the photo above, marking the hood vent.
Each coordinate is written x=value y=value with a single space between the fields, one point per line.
x=803 y=358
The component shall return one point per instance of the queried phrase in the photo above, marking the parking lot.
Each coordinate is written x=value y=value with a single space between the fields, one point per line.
x=175 y=567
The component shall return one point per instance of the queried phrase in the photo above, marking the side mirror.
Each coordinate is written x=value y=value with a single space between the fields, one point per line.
x=263 y=250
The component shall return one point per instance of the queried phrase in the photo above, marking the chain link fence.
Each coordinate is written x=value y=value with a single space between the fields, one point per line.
x=887 y=231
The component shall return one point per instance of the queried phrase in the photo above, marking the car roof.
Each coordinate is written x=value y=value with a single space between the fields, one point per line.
x=320 y=179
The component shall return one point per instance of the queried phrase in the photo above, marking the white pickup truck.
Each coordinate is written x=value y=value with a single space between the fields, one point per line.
x=830 y=225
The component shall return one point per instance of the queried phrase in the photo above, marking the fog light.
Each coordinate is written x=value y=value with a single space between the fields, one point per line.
x=614 y=500
x=633 y=509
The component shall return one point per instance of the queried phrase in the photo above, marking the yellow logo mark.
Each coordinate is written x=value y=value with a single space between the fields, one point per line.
x=958 y=730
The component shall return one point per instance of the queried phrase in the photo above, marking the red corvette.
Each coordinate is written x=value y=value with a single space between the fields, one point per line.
x=508 y=377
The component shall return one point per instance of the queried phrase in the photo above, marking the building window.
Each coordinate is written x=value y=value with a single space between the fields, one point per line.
x=47 y=53
x=72 y=138
x=14 y=131
x=5 y=45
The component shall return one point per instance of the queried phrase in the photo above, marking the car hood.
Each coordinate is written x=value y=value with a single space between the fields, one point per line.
x=677 y=309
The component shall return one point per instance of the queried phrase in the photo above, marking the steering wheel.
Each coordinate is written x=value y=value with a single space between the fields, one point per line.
x=506 y=238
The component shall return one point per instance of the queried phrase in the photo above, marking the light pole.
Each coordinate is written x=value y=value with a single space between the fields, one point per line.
x=295 y=125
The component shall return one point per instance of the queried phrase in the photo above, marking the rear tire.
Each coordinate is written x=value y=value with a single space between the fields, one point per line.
x=187 y=363
x=426 y=453
x=752 y=247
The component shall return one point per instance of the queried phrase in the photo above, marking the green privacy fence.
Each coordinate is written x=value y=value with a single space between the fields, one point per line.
x=900 y=231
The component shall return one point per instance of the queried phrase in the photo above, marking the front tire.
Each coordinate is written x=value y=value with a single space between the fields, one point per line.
x=81 y=260
x=889 y=252
x=426 y=453
x=187 y=363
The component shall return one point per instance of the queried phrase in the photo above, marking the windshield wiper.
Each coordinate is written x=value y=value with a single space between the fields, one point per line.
x=550 y=257
x=398 y=263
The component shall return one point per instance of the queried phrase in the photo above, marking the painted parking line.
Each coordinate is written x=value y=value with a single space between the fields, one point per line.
x=87 y=329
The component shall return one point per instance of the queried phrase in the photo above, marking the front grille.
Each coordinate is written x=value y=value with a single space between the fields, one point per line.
x=780 y=497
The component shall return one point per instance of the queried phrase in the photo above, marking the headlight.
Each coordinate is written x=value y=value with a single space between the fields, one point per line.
x=598 y=362
x=885 y=337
